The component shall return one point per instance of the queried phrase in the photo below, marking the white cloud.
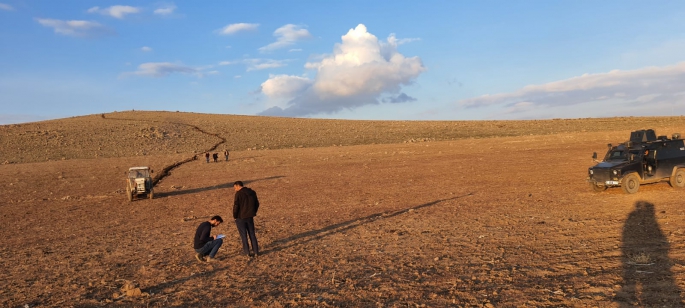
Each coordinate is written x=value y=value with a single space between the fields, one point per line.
x=282 y=88
x=295 y=50
x=285 y=86
x=286 y=36
x=166 y=10
x=6 y=7
x=239 y=27
x=161 y=69
x=260 y=64
x=395 y=41
x=641 y=87
x=116 y=11
x=77 y=28
x=255 y=64
x=359 y=71
x=520 y=107
x=146 y=49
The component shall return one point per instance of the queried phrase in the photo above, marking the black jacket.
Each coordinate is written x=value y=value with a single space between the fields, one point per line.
x=202 y=235
x=245 y=204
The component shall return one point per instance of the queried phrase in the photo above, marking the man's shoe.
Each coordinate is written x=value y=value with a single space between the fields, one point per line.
x=199 y=257
x=208 y=259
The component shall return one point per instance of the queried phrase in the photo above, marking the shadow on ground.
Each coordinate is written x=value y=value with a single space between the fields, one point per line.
x=309 y=236
x=213 y=187
x=304 y=237
x=647 y=277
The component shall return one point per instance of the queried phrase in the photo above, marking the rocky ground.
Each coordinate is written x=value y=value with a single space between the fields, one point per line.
x=492 y=221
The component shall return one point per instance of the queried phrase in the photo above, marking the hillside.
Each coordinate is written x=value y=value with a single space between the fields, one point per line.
x=141 y=133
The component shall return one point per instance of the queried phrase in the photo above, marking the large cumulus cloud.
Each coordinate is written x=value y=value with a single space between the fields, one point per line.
x=359 y=71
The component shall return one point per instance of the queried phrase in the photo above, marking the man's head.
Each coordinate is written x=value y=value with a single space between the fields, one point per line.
x=216 y=220
x=237 y=185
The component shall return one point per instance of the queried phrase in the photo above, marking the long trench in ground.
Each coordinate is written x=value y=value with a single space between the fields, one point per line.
x=167 y=169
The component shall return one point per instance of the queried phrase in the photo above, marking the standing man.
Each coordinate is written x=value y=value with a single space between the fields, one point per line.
x=215 y=156
x=205 y=244
x=226 y=154
x=207 y=156
x=245 y=206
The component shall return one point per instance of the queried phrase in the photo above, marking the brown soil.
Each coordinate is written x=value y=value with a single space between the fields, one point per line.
x=490 y=220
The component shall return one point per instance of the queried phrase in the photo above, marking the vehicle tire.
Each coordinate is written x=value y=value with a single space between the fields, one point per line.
x=630 y=183
x=129 y=194
x=678 y=178
x=597 y=188
x=151 y=193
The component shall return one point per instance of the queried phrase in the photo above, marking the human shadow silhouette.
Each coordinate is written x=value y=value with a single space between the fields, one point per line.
x=647 y=277
x=213 y=187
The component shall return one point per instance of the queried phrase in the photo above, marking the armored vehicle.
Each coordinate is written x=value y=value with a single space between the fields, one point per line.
x=643 y=159
x=139 y=182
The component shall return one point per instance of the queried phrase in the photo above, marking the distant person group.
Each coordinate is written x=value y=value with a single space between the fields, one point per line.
x=245 y=206
x=215 y=156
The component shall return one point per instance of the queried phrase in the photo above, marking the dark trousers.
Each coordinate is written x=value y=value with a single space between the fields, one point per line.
x=210 y=248
x=246 y=228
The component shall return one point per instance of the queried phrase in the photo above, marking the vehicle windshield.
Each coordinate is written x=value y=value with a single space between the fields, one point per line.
x=621 y=154
x=138 y=174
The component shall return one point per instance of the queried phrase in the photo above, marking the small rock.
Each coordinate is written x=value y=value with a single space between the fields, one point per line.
x=133 y=292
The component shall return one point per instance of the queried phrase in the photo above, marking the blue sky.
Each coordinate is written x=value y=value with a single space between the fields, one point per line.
x=400 y=60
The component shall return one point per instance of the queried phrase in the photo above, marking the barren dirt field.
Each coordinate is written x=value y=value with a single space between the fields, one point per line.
x=436 y=214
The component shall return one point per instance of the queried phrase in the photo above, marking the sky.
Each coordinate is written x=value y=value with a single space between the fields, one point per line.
x=365 y=60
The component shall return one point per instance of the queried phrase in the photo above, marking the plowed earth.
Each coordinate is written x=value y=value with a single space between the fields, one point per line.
x=497 y=221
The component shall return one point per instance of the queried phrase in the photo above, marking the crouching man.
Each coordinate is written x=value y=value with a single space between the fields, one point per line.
x=206 y=244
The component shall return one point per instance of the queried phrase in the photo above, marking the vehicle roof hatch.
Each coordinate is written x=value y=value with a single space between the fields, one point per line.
x=645 y=135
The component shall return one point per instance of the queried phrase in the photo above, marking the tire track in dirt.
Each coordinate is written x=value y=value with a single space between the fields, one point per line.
x=165 y=171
